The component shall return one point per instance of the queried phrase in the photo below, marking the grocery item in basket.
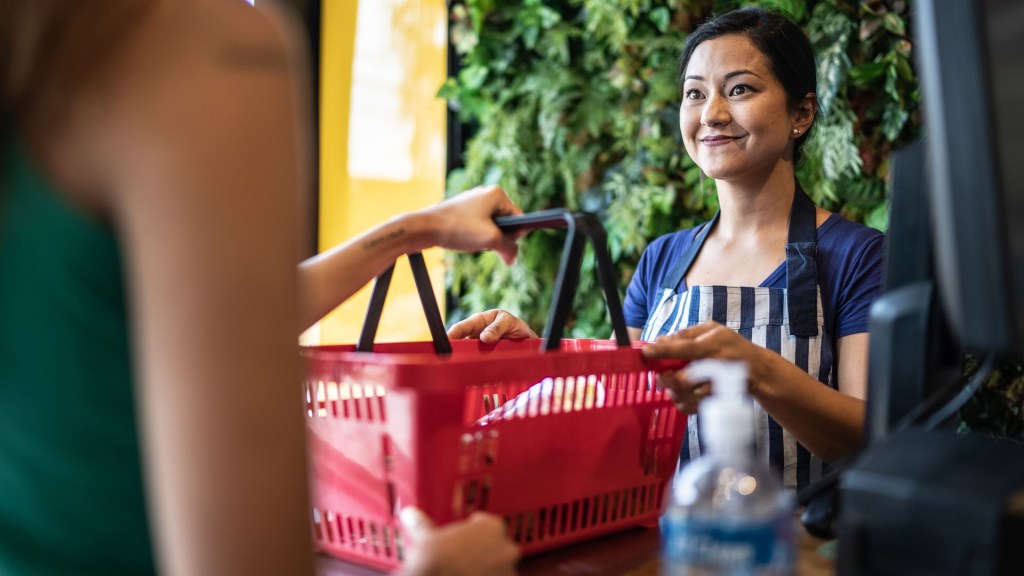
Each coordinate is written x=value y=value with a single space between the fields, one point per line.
x=561 y=394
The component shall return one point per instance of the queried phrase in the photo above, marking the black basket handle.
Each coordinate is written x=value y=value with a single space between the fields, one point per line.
x=580 y=226
x=380 y=291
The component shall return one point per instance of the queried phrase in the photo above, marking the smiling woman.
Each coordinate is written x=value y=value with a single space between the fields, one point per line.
x=771 y=280
x=735 y=118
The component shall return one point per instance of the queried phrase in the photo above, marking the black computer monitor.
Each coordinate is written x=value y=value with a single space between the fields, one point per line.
x=971 y=59
x=924 y=500
x=913 y=358
x=955 y=272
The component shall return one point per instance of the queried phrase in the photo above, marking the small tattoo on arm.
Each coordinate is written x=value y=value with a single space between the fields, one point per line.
x=375 y=243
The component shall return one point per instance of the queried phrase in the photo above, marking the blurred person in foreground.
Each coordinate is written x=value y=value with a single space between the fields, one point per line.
x=151 y=169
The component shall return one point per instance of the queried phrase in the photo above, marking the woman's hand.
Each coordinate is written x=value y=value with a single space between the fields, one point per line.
x=491 y=326
x=686 y=394
x=478 y=545
x=708 y=340
x=828 y=422
x=466 y=222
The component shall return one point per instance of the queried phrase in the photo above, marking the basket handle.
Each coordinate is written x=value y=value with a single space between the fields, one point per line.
x=580 y=226
x=442 y=345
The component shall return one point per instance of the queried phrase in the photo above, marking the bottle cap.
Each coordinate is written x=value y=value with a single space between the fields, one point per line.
x=727 y=416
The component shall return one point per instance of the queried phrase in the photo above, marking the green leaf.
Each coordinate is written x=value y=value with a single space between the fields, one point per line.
x=548 y=16
x=661 y=18
x=795 y=9
x=448 y=90
x=478 y=11
x=863 y=75
x=878 y=217
x=530 y=35
x=472 y=77
x=893 y=121
x=894 y=24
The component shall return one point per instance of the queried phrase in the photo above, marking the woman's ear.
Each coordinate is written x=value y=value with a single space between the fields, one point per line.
x=803 y=116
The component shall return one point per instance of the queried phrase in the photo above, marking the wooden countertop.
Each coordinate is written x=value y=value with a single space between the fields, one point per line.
x=631 y=553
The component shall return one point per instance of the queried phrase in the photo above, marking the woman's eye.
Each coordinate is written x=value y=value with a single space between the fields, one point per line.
x=692 y=94
x=740 y=89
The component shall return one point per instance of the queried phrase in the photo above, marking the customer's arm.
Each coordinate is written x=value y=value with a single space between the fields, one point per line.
x=464 y=222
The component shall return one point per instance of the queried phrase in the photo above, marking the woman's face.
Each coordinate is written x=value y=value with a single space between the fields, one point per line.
x=734 y=118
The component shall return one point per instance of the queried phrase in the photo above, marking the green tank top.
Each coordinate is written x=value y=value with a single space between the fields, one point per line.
x=71 y=494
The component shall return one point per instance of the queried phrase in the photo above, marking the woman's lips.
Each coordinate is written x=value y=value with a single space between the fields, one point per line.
x=713 y=141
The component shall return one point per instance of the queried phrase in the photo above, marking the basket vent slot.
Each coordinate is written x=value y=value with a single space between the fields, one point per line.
x=335 y=531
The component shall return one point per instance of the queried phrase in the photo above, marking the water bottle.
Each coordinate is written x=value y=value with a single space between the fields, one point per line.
x=726 y=514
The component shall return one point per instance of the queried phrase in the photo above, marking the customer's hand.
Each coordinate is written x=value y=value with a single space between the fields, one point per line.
x=466 y=222
x=491 y=326
x=476 y=546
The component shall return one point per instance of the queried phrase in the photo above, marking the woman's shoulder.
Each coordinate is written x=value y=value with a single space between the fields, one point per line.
x=188 y=72
x=839 y=233
x=186 y=52
x=849 y=249
x=171 y=61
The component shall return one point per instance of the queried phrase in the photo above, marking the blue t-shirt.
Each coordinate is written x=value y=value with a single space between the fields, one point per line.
x=850 y=267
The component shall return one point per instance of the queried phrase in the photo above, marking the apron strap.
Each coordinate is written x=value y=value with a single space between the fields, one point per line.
x=802 y=268
x=682 y=265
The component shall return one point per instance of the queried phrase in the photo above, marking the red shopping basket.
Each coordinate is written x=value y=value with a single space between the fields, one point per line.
x=566 y=439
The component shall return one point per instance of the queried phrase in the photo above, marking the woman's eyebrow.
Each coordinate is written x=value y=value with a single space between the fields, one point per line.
x=728 y=75
x=735 y=73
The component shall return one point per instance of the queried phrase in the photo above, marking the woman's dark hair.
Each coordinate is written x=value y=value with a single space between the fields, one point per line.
x=49 y=49
x=782 y=42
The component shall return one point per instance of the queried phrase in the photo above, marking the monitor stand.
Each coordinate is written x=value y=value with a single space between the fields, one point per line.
x=934 y=502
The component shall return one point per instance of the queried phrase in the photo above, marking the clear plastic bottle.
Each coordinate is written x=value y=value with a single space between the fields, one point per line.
x=727 y=515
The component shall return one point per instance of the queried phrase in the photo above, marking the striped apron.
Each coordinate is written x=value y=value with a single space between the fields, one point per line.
x=788 y=321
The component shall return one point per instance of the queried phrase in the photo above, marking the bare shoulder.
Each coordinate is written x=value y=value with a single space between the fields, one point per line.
x=223 y=33
x=186 y=47
x=190 y=77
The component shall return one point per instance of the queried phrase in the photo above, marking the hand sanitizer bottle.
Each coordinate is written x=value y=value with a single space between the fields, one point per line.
x=727 y=514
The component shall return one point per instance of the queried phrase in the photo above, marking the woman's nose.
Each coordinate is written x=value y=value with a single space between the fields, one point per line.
x=716 y=111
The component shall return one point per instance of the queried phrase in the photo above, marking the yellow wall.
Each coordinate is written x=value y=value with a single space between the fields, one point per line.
x=382 y=142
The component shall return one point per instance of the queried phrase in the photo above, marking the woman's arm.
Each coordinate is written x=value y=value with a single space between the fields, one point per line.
x=198 y=152
x=464 y=222
x=828 y=422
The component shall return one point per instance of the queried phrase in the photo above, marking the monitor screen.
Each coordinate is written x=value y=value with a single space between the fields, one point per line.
x=971 y=59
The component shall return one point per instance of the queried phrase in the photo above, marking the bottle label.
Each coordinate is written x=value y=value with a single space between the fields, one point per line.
x=692 y=546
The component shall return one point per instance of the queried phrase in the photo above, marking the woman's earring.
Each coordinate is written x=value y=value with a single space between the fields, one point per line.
x=796 y=132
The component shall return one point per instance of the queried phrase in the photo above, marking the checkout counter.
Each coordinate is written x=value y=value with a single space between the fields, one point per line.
x=631 y=553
